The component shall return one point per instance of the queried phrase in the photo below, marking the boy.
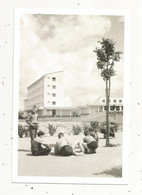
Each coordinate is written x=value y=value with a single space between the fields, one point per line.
x=39 y=147
x=32 y=120
x=64 y=148
x=90 y=144
x=94 y=134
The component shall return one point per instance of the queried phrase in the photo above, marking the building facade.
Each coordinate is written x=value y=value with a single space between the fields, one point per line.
x=48 y=91
x=59 y=112
x=115 y=104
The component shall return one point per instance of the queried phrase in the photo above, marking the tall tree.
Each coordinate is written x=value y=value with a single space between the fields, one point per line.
x=106 y=57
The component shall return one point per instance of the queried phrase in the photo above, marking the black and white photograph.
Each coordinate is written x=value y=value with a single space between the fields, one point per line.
x=70 y=97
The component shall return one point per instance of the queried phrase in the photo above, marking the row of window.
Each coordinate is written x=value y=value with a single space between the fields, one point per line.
x=117 y=108
x=53 y=86
x=53 y=102
x=53 y=94
x=53 y=78
x=114 y=101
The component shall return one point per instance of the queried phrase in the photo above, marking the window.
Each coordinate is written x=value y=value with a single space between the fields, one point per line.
x=114 y=101
x=53 y=78
x=54 y=94
x=48 y=93
x=120 y=101
x=48 y=85
x=105 y=107
x=117 y=108
x=53 y=103
x=48 y=77
x=103 y=101
x=54 y=86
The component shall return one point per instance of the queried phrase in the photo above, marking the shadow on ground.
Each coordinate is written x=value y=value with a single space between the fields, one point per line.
x=22 y=150
x=115 y=171
x=29 y=154
x=52 y=154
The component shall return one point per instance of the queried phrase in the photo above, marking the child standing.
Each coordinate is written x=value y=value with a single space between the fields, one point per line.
x=39 y=147
x=89 y=143
x=32 y=120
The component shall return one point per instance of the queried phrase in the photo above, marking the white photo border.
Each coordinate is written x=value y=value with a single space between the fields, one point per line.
x=71 y=180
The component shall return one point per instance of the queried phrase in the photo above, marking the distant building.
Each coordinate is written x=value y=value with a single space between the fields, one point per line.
x=48 y=91
x=115 y=104
x=59 y=112
x=84 y=110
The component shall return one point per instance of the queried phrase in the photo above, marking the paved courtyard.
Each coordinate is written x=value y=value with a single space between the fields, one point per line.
x=107 y=162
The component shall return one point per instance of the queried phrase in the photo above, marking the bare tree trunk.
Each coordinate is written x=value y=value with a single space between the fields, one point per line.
x=109 y=87
x=107 y=112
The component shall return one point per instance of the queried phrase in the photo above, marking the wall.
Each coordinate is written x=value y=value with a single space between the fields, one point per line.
x=49 y=90
x=35 y=94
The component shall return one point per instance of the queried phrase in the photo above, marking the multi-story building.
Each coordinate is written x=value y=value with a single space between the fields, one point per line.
x=48 y=91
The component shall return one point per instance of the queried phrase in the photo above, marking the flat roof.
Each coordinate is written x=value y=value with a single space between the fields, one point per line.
x=63 y=108
x=111 y=104
x=44 y=76
x=83 y=106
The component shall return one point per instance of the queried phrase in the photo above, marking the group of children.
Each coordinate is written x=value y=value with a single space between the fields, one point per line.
x=62 y=147
x=65 y=148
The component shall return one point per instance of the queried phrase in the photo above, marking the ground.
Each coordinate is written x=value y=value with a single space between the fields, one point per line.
x=107 y=162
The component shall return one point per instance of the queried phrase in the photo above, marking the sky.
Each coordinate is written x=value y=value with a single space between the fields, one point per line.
x=51 y=43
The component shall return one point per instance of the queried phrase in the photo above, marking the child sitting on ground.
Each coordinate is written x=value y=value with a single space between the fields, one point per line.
x=64 y=148
x=94 y=134
x=89 y=143
x=39 y=147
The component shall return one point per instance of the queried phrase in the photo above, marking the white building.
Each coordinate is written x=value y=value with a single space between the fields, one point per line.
x=48 y=91
x=115 y=104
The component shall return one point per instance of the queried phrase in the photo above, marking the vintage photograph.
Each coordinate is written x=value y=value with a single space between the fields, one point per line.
x=70 y=96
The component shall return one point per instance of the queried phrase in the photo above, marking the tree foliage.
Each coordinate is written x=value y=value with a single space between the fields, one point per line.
x=107 y=56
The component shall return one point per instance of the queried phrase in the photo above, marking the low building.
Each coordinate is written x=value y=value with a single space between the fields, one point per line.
x=59 y=112
x=85 y=110
x=115 y=104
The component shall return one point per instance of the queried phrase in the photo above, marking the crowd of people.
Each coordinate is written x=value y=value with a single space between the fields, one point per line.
x=62 y=146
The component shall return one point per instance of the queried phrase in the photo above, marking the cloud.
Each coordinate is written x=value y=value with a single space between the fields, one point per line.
x=70 y=33
x=51 y=42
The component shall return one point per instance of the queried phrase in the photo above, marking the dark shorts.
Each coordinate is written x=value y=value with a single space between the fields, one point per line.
x=93 y=145
x=45 y=151
x=66 y=150
x=35 y=126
